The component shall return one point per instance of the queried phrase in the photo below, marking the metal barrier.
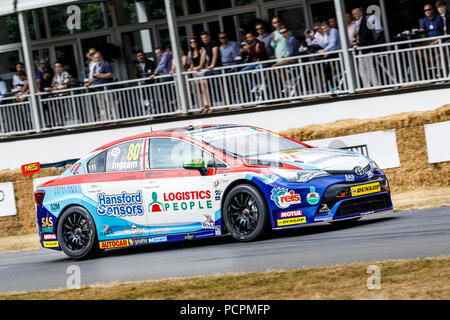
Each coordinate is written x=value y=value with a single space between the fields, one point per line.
x=15 y=117
x=268 y=82
x=250 y=84
x=113 y=102
x=402 y=63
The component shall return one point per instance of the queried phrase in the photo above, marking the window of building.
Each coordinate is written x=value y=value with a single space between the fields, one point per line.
x=238 y=25
x=134 y=11
x=9 y=29
x=8 y=62
x=134 y=41
x=164 y=38
x=94 y=16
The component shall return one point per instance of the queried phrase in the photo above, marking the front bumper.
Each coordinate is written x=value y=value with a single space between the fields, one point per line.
x=338 y=201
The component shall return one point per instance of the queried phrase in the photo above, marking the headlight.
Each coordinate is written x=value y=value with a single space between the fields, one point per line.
x=300 y=175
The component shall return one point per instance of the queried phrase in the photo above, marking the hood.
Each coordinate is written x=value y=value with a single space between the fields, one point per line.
x=331 y=160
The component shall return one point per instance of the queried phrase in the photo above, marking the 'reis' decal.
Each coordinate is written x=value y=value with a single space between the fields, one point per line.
x=284 y=198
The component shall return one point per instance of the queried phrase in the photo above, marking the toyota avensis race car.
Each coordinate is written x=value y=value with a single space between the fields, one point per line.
x=200 y=182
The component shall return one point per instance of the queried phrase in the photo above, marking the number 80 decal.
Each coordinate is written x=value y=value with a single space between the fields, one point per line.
x=134 y=152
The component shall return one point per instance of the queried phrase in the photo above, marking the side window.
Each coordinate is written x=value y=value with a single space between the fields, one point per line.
x=125 y=157
x=167 y=153
x=97 y=164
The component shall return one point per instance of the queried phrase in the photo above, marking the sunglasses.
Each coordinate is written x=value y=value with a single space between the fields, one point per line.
x=426 y=10
x=223 y=37
x=259 y=29
x=283 y=32
x=275 y=22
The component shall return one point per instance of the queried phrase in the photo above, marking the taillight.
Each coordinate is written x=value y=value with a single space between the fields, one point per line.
x=39 y=197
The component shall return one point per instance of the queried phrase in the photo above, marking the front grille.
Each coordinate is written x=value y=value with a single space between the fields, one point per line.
x=361 y=205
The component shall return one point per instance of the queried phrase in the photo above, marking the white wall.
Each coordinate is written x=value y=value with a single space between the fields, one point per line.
x=53 y=149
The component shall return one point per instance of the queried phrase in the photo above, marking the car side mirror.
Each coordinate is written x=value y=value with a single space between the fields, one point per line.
x=196 y=164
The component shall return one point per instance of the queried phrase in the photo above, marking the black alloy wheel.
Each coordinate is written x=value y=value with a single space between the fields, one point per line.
x=245 y=213
x=77 y=234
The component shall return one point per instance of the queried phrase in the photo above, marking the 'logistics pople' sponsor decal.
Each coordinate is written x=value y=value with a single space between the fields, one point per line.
x=180 y=201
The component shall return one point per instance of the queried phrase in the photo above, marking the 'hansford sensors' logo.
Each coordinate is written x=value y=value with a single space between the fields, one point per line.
x=124 y=204
x=284 y=198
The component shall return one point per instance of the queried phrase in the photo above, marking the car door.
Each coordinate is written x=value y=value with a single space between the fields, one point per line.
x=116 y=190
x=178 y=200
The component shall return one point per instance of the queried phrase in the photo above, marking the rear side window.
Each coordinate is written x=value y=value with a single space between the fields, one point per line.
x=97 y=164
x=125 y=157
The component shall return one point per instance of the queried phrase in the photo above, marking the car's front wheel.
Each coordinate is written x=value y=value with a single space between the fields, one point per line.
x=245 y=213
x=77 y=234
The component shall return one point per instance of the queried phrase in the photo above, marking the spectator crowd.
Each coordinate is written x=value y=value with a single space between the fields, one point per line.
x=205 y=57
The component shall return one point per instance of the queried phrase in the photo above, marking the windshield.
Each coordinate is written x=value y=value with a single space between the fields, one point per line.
x=247 y=142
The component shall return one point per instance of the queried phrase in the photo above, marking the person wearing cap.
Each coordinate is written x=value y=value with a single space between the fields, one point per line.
x=90 y=63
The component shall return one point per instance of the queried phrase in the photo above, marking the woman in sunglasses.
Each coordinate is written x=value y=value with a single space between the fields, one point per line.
x=196 y=62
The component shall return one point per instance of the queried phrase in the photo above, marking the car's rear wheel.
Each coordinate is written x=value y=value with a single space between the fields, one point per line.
x=77 y=234
x=245 y=213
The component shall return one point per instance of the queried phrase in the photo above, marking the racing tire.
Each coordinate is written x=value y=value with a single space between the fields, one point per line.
x=77 y=234
x=245 y=213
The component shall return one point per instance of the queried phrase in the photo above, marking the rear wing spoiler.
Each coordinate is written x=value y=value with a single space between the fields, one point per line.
x=32 y=168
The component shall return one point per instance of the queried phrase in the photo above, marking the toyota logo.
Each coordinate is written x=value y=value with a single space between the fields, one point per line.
x=359 y=171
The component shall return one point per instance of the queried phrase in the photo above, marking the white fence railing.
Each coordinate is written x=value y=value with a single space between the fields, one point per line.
x=250 y=84
x=15 y=116
x=397 y=64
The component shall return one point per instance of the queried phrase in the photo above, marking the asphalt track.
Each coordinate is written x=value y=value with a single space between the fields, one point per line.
x=403 y=235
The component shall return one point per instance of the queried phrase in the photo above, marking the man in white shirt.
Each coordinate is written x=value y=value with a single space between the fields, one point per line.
x=316 y=39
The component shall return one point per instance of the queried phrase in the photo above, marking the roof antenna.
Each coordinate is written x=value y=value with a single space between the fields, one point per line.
x=151 y=129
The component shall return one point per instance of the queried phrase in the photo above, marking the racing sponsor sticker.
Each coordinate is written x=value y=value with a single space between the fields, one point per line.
x=181 y=201
x=366 y=189
x=157 y=239
x=291 y=214
x=114 y=244
x=51 y=244
x=120 y=205
x=47 y=225
x=135 y=230
x=208 y=223
x=50 y=236
x=292 y=221
x=138 y=242
x=312 y=197
x=324 y=208
x=284 y=198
